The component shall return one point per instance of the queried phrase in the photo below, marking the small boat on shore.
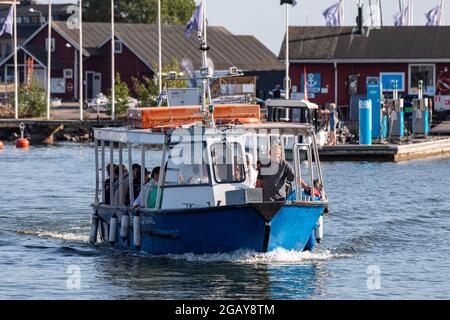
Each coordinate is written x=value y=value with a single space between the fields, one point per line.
x=205 y=201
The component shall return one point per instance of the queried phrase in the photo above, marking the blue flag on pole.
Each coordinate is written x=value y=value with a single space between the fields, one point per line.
x=434 y=16
x=8 y=25
x=196 y=22
x=333 y=15
x=401 y=18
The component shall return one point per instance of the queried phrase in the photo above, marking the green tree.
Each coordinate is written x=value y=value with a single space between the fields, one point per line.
x=147 y=89
x=32 y=100
x=139 y=11
x=122 y=93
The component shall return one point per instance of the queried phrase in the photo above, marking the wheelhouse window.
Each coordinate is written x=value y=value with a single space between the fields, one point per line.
x=184 y=168
x=425 y=73
x=228 y=162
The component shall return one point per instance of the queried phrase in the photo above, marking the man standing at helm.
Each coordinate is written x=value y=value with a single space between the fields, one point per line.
x=274 y=175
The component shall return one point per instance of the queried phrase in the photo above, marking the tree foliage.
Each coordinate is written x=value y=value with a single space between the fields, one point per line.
x=139 y=11
x=32 y=100
x=122 y=94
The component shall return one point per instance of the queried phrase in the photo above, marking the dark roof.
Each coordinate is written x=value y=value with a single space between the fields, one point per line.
x=227 y=49
x=387 y=43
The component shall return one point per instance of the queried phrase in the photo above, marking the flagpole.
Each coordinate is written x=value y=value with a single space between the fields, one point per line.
x=81 y=59
x=49 y=57
x=441 y=17
x=159 y=48
x=342 y=22
x=16 y=73
x=287 y=52
x=204 y=54
x=411 y=13
x=113 y=65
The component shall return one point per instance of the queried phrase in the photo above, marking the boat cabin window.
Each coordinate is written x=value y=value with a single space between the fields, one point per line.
x=183 y=168
x=228 y=162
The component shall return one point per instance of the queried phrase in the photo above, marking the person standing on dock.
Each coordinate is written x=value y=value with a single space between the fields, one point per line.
x=333 y=119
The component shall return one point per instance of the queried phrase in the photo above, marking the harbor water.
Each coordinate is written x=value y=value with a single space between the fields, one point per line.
x=387 y=236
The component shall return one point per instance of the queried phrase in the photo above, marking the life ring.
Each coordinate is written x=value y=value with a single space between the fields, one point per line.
x=443 y=85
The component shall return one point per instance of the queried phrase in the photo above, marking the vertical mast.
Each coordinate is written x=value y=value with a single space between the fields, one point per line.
x=204 y=48
x=159 y=49
x=16 y=74
x=81 y=59
x=113 y=65
x=49 y=57
x=286 y=84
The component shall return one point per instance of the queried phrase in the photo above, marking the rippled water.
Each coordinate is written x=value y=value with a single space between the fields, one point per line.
x=387 y=236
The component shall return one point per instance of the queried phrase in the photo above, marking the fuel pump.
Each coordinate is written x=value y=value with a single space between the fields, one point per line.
x=396 y=116
x=420 y=114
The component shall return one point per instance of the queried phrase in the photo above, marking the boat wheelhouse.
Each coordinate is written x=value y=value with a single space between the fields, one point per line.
x=292 y=111
x=205 y=201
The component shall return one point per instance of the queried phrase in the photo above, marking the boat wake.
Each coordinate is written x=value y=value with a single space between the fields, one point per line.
x=279 y=255
x=67 y=236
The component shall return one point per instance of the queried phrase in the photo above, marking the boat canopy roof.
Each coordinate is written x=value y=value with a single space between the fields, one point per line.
x=291 y=103
x=147 y=136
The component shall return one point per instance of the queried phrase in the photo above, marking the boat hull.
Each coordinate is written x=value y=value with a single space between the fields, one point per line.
x=258 y=227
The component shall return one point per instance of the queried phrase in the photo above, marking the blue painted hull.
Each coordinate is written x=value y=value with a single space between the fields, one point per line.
x=221 y=229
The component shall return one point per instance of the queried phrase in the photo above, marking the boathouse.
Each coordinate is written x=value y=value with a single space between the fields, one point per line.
x=339 y=60
x=136 y=47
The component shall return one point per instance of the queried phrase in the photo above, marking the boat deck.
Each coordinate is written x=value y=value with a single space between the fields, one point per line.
x=418 y=149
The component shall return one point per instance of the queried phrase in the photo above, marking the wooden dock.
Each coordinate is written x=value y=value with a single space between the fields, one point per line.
x=42 y=131
x=419 y=149
x=441 y=129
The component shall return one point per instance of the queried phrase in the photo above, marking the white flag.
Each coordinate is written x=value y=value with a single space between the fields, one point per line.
x=333 y=15
x=8 y=25
x=434 y=16
x=401 y=18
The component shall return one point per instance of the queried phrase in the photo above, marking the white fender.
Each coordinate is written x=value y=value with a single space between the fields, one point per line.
x=137 y=231
x=318 y=233
x=94 y=229
x=113 y=229
x=124 y=225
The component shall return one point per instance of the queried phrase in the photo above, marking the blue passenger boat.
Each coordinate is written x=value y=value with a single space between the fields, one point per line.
x=219 y=212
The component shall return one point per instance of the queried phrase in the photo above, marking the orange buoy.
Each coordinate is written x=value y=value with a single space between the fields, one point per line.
x=22 y=143
x=1 y=145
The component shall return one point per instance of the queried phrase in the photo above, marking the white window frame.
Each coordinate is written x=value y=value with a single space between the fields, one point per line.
x=68 y=73
x=53 y=44
x=410 y=92
x=120 y=48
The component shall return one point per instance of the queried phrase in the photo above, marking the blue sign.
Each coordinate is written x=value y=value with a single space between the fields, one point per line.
x=390 y=79
x=313 y=84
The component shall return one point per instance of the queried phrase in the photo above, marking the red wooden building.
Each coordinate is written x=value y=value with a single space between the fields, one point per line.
x=338 y=60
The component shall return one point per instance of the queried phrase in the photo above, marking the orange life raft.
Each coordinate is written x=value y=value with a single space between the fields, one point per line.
x=164 y=117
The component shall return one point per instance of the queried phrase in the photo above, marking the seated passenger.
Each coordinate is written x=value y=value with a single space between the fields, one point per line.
x=106 y=185
x=252 y=174
x=274 y=176
x=147 y=196
x=197 y=177
x=125 y=186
